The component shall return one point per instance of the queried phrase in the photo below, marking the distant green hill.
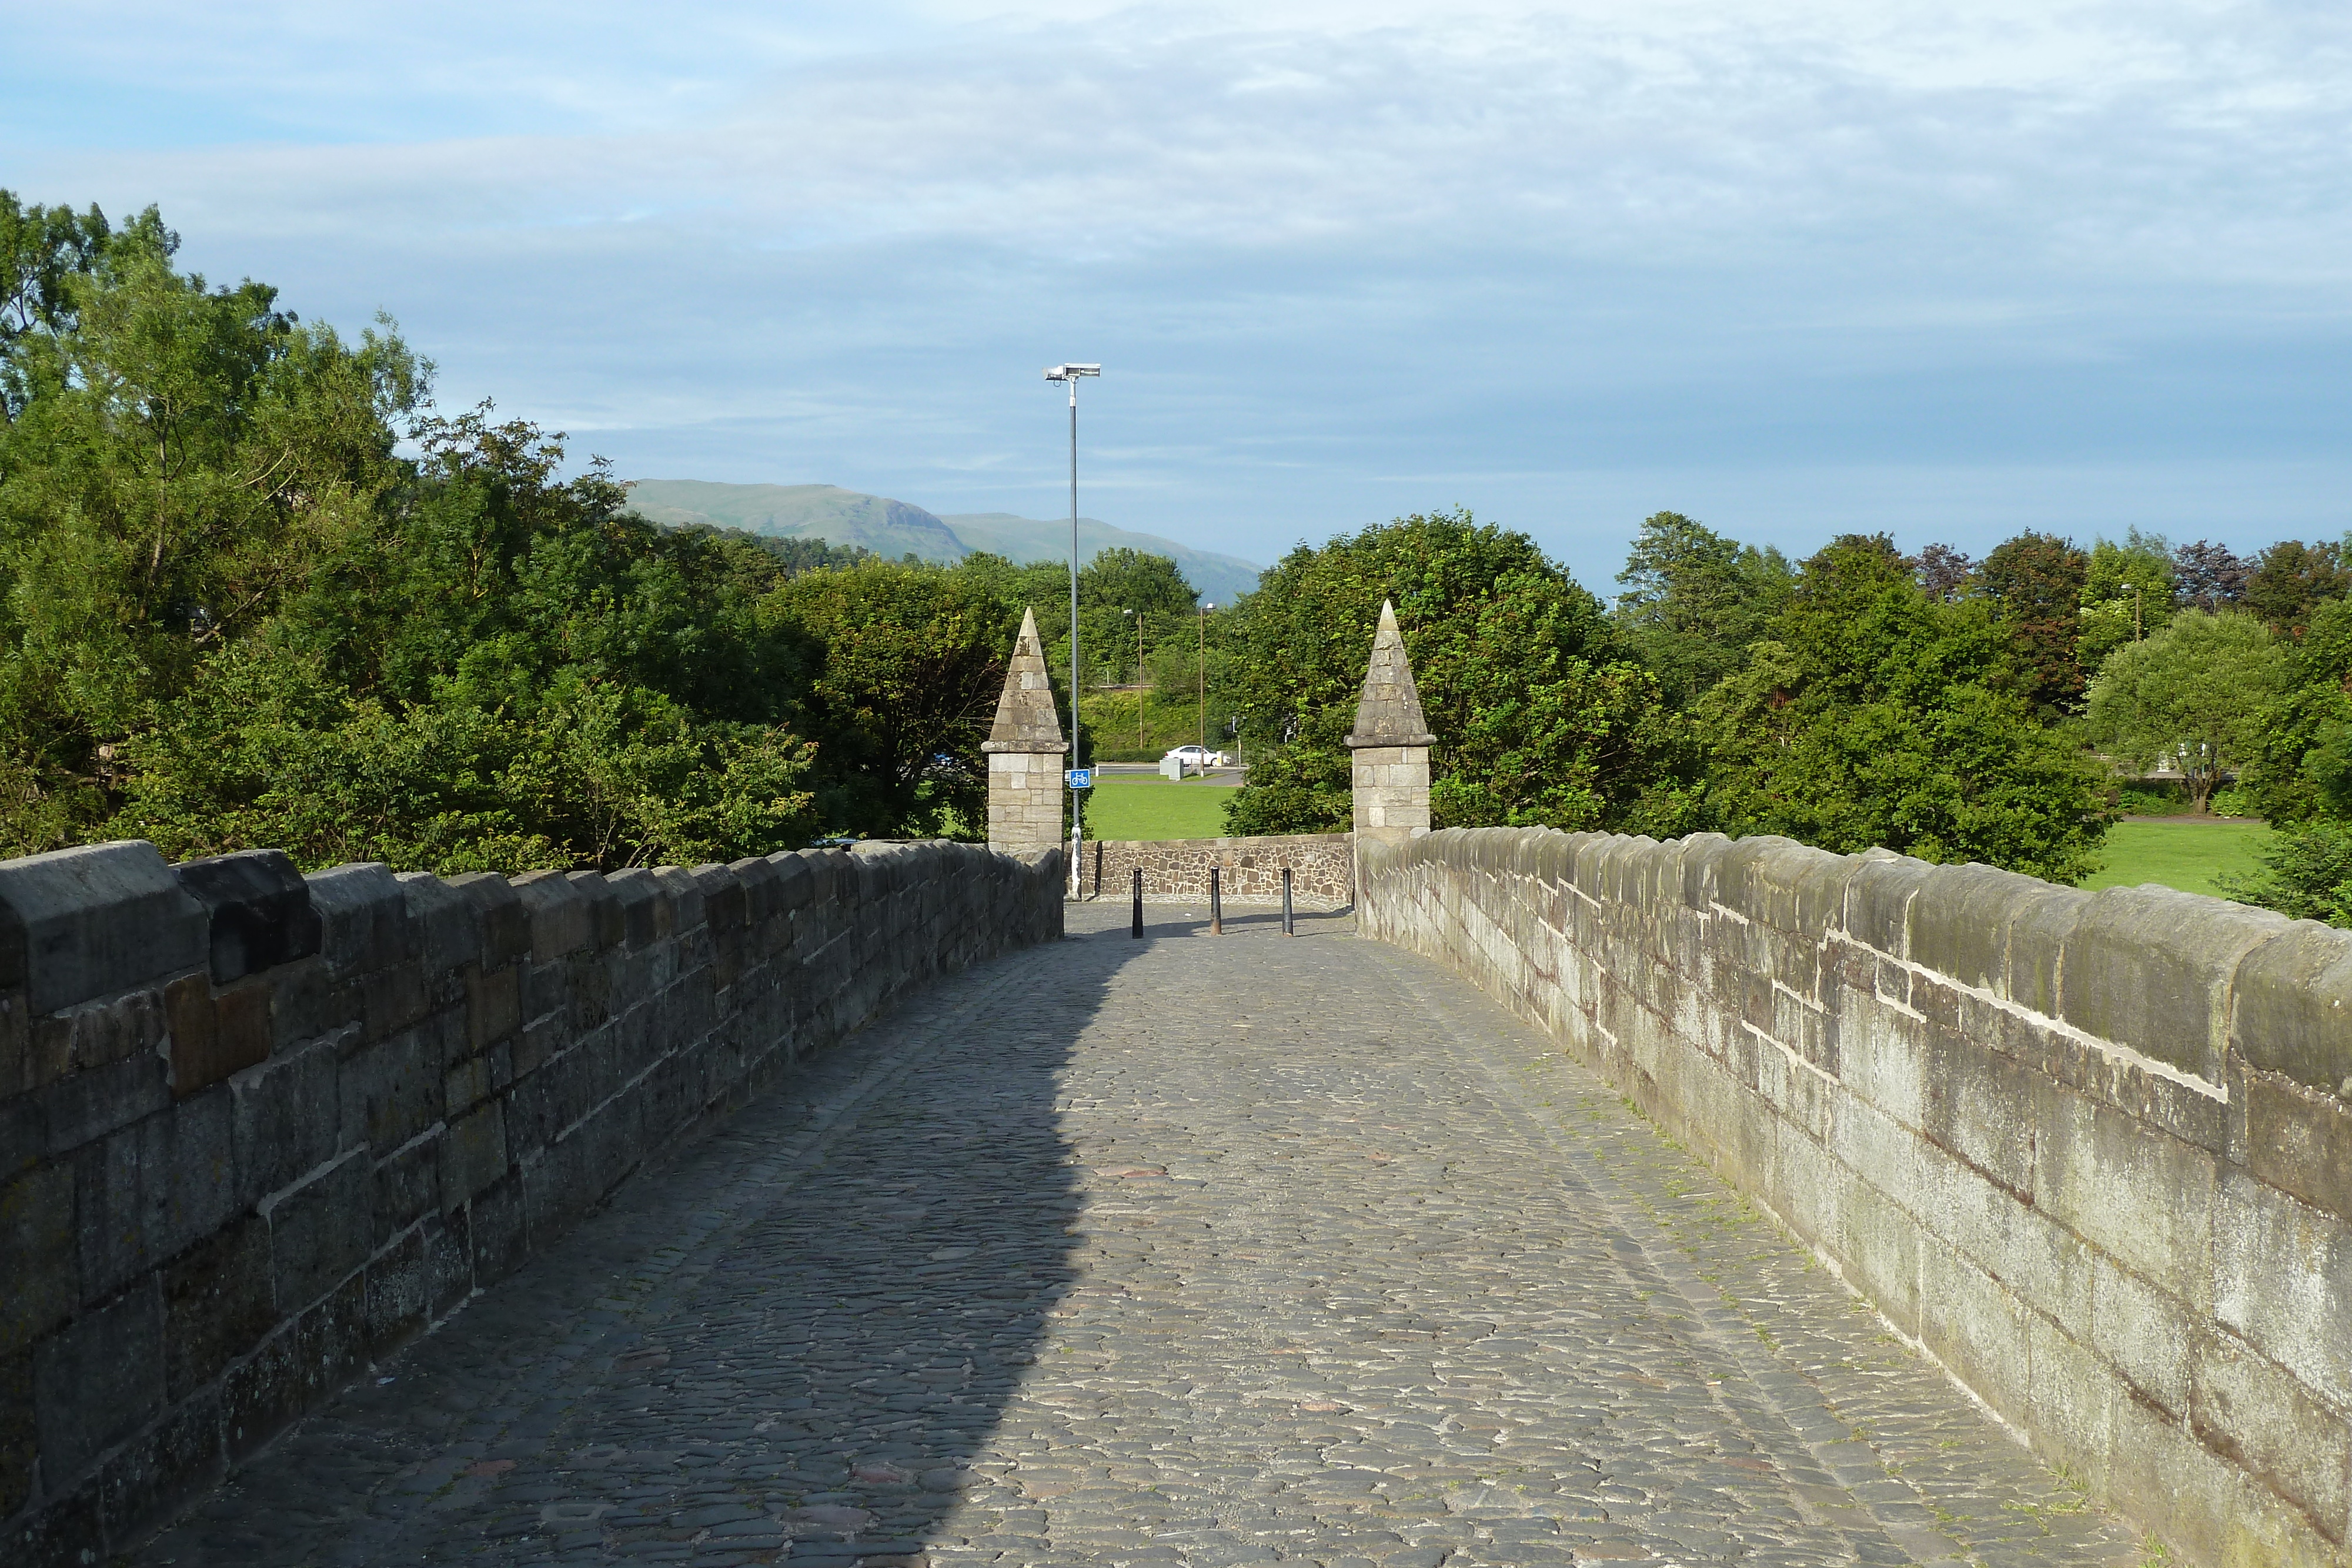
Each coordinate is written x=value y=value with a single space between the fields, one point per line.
x=894 y=528
x=827 y=512
x=1220 y=578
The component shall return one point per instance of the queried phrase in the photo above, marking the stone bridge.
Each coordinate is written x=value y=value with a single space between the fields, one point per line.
x=1566 y=1199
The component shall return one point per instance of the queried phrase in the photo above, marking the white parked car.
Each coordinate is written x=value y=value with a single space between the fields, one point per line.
x=1198 y=756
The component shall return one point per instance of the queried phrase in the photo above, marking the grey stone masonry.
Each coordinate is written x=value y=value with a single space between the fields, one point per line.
x=1249 y=870
x=257 y=1130
x=1025 y=748
x=1391 y=745
x=2092 y=1151
x=1052 y=1268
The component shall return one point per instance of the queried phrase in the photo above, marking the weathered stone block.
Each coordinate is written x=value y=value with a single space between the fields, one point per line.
x=1977 y=1327
x=2151 y=969
x=2145 y=1332
x=362 y=917
x=645 y=917
x=473 y=1156
x=448 y=1262
x=37 y=1238
x=685 y=897
x=19 y=1438
x=1983 y=1108
x=445 y=922
x=502 y=918
x=2300 y=1140
x=497 y=1229
x=2261 y=1239
x=609 y=919
x=109 y=1215
x=259 y=911
x=2291 y=1007
x=147 y=1480
x=85 y=923
x=493 y=1005
x=407 y=1186
x=321 y=1230
x=296 y=1368
x=2145 y=1198
x=391 y=1090
x=86 y=1106
x=245 y=1023
x=1877 y=907
x=98 y=1380
x=563 y=918
x=24 y=1135
x=2248 y=1410
x=285 y=1114
x=1963 y=920
x=188 y=1171
x=217 y=1304
x=399 y=1293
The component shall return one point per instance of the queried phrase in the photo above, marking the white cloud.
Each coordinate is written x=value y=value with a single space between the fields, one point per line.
x=1325 y=242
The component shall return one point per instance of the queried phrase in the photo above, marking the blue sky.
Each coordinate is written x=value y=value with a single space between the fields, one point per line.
x=1793 y=266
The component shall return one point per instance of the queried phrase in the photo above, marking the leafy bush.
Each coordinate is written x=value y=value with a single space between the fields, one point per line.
x=2151 y=798
x=2232 y=802
x=2306 y=873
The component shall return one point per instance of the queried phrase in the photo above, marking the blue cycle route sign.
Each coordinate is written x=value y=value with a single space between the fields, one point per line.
x=1080 y=777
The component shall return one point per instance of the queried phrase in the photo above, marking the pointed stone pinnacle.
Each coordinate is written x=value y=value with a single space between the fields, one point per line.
x=1025 y=718
x=1388 y=713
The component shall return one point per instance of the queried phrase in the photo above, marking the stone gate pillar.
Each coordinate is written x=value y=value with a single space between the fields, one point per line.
x=1390 y=742
x=1024 y=751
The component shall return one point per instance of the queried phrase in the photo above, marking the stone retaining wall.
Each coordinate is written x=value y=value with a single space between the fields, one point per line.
x=1176 y=870
x=257 y=1129
x=2092 y=1151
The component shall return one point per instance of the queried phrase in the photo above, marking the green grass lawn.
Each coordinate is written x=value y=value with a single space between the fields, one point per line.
x=1140 y=806
x=2185 y=855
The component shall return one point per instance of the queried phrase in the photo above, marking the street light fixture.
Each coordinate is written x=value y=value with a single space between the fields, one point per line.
x=1072 y=374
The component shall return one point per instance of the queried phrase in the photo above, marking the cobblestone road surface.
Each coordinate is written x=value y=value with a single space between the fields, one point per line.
x=1044 y=1269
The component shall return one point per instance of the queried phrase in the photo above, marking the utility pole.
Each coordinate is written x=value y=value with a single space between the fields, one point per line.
x=1203 y=619
x=1138 y=676
x=1071 y=373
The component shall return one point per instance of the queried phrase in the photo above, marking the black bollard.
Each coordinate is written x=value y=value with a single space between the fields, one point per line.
x=1137 y=928
x=1216 y=905
x=1289 y=928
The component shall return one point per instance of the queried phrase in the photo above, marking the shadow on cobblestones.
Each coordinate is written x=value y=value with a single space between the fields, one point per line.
x=792 y=1340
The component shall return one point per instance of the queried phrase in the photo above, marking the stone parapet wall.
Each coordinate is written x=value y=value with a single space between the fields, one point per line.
x=2091 y=1151
x=1176 y=870
x=259 y=1129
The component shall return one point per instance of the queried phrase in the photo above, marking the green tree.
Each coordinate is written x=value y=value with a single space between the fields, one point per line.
x=175 y=459
x=2193 y=694
x=2290 y=579
x=1876 y=715
x=502 y=670
x=1694 y=600
x=2306 y=873
x=1541 y=718
x=2128 y=593
x=906 y=665
x=2301 y=767
x=1122 y=592
x=2035 y=582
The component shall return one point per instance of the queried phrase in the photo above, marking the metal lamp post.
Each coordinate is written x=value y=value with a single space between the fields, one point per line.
x=1072 y=374
x=1139 y=675
x=1204 y=619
